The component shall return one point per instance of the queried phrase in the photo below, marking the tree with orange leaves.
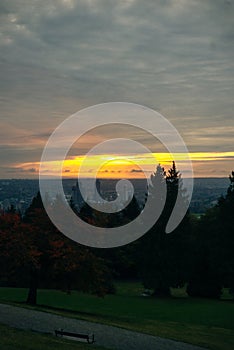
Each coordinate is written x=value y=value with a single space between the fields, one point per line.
x=47 y=257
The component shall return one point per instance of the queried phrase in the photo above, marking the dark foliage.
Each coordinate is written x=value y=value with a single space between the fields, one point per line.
x=162 y=255
x=46 y=258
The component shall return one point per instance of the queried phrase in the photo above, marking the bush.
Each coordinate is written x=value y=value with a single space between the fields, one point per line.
x=204 y=289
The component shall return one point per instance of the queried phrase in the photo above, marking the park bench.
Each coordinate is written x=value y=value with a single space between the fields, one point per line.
x=88 y=337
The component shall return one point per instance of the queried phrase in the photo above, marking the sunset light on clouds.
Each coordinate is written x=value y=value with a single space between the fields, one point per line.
x=58 y=57
x=119 y=166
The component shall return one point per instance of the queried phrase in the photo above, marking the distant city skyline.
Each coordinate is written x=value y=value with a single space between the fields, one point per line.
x=19 y=193
x=59 y=56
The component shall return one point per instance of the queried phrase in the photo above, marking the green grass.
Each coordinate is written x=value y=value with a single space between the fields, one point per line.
x=209 y=323
x=14 y=339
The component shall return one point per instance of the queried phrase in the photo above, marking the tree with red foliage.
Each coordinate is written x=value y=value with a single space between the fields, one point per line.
x=48 y=257
x=17 y=250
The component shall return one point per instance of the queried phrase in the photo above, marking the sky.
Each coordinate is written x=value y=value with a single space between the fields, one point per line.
x=59 y=56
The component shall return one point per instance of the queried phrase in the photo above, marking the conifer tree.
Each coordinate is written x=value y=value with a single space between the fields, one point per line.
x=163 y=255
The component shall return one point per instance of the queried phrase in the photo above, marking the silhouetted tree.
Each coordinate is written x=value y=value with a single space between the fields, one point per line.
x=225 y=228
x=204 y=277
x=212 y=249
x=163 y=256
x=120 y=260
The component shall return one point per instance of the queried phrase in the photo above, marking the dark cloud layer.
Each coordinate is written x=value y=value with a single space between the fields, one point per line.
x=175 y=56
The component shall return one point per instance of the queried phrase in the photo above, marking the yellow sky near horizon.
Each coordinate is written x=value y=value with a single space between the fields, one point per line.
x=130 y=166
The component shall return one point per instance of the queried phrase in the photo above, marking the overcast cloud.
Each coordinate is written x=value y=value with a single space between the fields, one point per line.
x=58 y=56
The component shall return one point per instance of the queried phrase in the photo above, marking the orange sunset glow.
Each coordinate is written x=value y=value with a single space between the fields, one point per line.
x=125 y=166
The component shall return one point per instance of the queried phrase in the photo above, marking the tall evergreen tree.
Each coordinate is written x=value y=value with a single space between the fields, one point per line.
x=225 y=227
x=211 y=257
x=163 y=255
x=204 y=278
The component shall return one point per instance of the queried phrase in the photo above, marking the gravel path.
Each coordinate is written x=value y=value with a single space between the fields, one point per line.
x=106 y=336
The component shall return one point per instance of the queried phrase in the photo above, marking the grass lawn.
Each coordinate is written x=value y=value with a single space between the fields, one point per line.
x=209 y=323
x=14 y=339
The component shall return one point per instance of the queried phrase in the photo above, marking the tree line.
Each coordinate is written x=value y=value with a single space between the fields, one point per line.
x=198 y=253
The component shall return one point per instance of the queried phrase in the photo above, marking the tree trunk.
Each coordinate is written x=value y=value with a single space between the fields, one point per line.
x=32 y=293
